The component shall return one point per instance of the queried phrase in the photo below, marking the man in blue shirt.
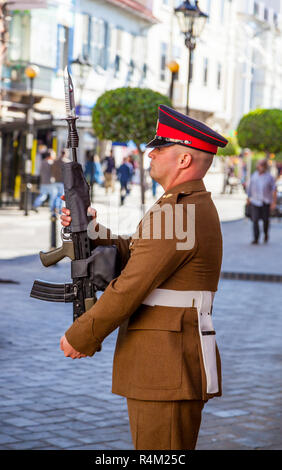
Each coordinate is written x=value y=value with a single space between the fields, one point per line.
x=262 y=197
x=124 y=172
x=110 y=166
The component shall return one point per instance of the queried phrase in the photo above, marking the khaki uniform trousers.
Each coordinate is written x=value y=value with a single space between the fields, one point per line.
x=164 y=425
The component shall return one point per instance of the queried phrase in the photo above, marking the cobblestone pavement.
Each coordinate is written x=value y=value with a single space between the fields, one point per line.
x=51 y=402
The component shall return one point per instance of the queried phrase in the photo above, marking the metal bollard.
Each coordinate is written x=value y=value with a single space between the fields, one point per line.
x=53 y=231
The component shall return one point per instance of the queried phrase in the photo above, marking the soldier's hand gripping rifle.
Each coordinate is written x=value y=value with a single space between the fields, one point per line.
x=91 y=270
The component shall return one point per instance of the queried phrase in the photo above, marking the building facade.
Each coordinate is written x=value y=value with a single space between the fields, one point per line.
x=105 y=45
x=236 y=66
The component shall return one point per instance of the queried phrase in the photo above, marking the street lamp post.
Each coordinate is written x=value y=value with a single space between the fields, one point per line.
x=191 y=22
x=174 y=68
x=31 y=72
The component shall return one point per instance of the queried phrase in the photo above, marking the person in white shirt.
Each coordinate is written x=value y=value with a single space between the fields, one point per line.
x=262 y=197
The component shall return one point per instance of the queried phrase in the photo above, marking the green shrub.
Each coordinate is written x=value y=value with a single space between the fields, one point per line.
x=261 y=130
x=231 y=149
x=127 y=114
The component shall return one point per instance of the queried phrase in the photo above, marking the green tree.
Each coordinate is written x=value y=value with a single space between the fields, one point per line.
x=128 y=114
x=261 y=130
x=232 y=148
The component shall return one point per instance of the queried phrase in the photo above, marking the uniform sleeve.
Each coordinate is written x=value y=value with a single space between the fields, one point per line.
x=152 y=262
x=100 y=235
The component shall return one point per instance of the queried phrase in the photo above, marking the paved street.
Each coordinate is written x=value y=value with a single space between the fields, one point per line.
x=20 y=235
x=51 y=402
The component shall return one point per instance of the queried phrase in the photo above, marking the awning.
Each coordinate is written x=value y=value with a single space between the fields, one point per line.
x=54 y=106
x=137 y=8
x=26 y=5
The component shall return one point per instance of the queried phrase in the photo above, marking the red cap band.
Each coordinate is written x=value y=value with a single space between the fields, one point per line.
x=170 y=132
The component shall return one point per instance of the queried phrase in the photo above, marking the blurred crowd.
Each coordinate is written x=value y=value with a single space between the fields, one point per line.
x=261 y=181
x=51 y=180
x=106 y=173
x=238 y=171
x=102 y=172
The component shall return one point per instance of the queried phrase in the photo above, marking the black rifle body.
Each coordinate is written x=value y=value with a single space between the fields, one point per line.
x=91 y=270
x=77 y=201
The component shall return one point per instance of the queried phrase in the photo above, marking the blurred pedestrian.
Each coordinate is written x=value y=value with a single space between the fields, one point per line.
x=279 y=169
x=124 y=172
x=230 y=179
x=47 y=188
x=93 y=172
x=262 y=195
x=89 y=169
x=109 y=172
x=244 y=173
x=136 y=173
x=98 y=172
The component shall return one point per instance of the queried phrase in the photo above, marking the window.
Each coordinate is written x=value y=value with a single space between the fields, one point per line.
x=99 y=43
x=86 y=29
x=134 y=55
x=275 y=19
x=205 y=72
x=19 y=37
x=218 y=78
x=208 y=10
x=131 y=70
x=256 y=8
x=145 y=71
x=222 y=3
x=118 y=54
x=163 y=61
x=117 y=64
x=265 y=14
x=62 y=47
x=176 y=52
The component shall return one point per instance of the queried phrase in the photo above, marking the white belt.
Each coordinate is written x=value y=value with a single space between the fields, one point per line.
x=202 y=301
x=181 y=298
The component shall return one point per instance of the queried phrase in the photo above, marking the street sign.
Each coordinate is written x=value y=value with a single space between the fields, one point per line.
x=82 y=110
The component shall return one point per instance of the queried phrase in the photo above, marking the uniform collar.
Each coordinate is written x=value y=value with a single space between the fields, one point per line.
x=187 y=187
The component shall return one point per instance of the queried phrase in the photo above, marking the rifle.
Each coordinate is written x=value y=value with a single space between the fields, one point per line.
x=91 y=269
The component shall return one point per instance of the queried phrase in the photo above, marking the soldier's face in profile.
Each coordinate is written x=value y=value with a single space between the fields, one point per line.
x=163 y=163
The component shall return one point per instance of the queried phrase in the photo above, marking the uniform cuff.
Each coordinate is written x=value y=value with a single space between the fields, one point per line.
x=81 y=335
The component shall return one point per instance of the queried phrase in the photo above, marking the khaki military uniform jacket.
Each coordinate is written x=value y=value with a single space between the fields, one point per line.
x=158 y=353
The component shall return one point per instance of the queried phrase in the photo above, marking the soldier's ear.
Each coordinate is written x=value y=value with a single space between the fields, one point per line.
x=185 y=160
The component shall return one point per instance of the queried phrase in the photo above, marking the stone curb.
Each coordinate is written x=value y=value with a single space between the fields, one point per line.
x=251 y=276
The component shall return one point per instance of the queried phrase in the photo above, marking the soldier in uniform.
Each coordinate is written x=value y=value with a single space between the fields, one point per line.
x=166 y=360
